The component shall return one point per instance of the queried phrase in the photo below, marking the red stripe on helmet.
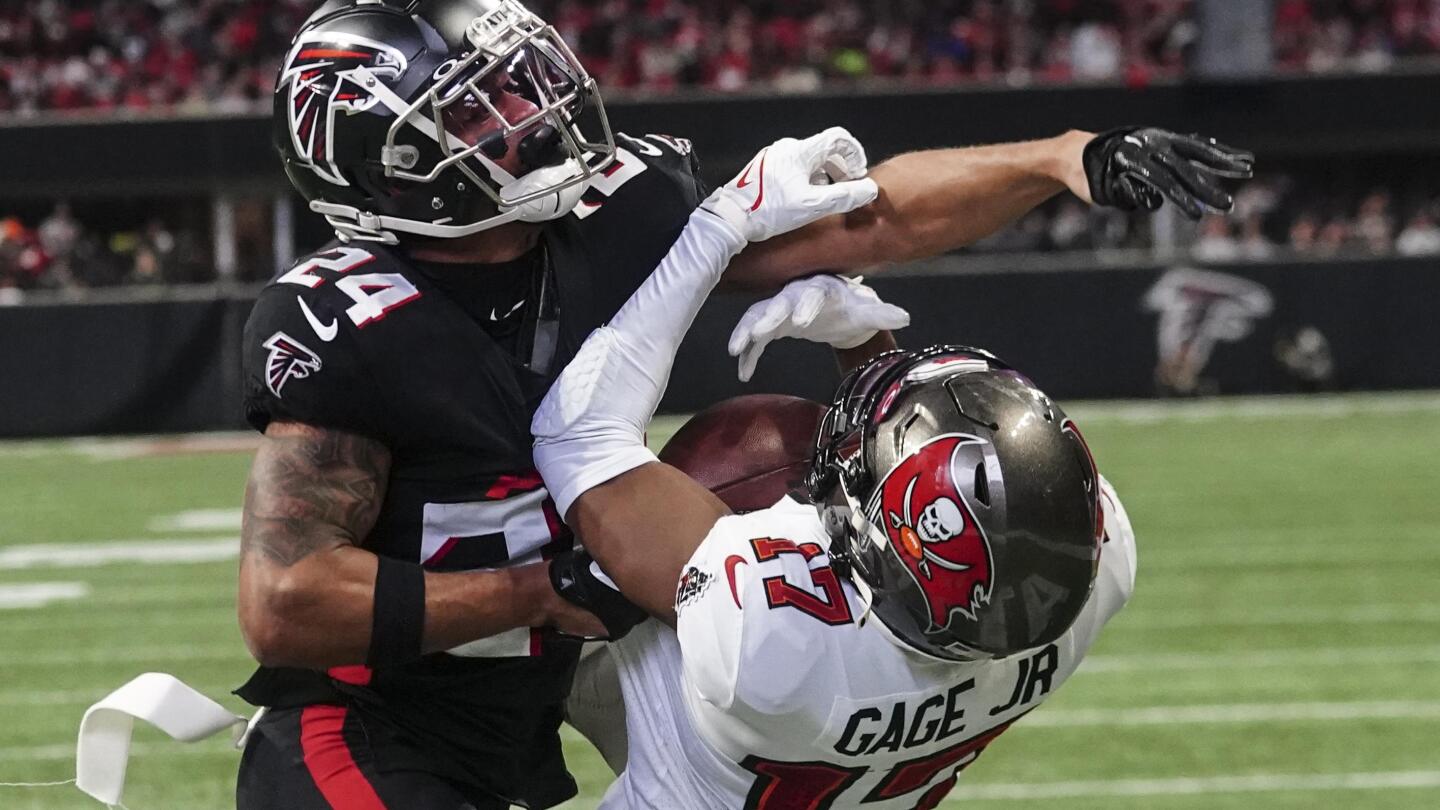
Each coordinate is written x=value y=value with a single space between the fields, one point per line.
x=326 y=53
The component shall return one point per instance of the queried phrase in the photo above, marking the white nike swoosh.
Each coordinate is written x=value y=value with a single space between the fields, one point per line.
x=326 y=333
x=494 y=316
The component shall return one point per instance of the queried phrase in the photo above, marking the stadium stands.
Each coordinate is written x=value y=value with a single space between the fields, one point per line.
x=171 y=54
x=220 y=55
x=117 y=59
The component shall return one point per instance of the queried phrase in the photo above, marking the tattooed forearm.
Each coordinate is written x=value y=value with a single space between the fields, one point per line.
x=311 y=489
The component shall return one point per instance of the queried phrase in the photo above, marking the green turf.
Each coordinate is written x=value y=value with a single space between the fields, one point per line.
x=1285 y=557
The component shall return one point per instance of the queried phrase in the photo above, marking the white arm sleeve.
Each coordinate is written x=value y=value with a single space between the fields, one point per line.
x=591 y=426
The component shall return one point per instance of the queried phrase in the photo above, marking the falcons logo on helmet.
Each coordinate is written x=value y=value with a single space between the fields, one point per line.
x=319 y=73
x=288 y=360
x=934 y=532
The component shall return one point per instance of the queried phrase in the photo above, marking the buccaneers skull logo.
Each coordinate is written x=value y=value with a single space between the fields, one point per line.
x=934 y=532
x=320 y=74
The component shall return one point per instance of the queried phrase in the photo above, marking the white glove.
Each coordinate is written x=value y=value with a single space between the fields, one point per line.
x=840 y=311
x=789 y=185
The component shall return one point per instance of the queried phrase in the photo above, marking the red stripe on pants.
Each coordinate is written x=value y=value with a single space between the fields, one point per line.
x=356 y=675
x=330 y=763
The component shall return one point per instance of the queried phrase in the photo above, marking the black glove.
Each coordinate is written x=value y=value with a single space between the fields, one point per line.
x=1135 y=167
x=574 y=576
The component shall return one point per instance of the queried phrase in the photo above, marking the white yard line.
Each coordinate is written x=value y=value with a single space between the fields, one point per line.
x=80 y=697
x=115 y=448
x=119 y=552
x=1339 y=656
x=198 y=520
x=215 y=617
x=1271 y=617
x=38 y=753
x=1194 y=786
x=40 y=594
x=128 y=655
x=1235 y=713
x=181 y=445
x=181 y=597
x=1145 y=412
x=1299 y=559
x=171 y=596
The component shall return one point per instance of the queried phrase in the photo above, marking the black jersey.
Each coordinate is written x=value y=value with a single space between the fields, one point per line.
x=445 y=365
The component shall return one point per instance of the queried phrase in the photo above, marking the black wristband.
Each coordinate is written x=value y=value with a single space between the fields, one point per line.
x=1096 y=158
x=398 y=624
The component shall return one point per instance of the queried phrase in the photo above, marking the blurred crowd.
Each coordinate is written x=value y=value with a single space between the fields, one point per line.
x=1281 y=214
x=1275 y=217
x=223 y=54
x=1319 y=36
x=215 y=55
x=802 y=45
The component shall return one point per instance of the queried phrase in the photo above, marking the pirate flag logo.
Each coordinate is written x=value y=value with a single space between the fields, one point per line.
x=934 y=531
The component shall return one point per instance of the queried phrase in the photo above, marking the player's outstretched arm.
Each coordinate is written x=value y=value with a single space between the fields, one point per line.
x=308 y=591
x=639 y=518
x=937 y=201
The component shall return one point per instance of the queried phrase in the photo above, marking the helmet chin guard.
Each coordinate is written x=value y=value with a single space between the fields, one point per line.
x=397 y=123
x=554 y=182
x=963 y=500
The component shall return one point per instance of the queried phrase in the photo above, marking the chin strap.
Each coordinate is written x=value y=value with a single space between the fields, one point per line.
x=352 y=224
x=552 y=206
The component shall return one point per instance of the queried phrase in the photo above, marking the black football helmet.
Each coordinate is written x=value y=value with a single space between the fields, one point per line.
x=962 y=499
x=395 y=116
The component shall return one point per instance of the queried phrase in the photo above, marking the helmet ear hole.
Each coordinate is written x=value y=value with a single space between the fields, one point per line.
x=982 y=484
x=1082 y=459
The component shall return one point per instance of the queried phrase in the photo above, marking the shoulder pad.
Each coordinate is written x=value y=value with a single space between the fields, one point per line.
x=345 y=286
x=650 y=172
x=300 y=353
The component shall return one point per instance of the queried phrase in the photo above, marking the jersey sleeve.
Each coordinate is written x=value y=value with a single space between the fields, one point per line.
x=676 y=159
x=1115 y=581
x=301 y=363
x=625 y=224
x=737 y=648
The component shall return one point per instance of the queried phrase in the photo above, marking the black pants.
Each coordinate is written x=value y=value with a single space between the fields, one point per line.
x=318 y=758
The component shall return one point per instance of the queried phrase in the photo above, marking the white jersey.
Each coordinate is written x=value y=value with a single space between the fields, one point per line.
x=770 y=693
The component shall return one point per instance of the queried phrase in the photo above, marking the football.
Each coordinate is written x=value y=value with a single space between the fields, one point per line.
x=749 y=450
